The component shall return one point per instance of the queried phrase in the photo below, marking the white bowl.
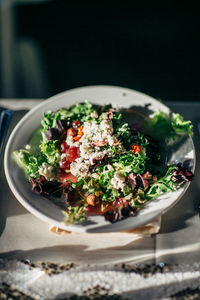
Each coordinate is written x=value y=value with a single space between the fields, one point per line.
x=44 y=208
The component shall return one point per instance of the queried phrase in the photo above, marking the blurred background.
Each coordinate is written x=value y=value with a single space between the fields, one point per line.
x=50 y=46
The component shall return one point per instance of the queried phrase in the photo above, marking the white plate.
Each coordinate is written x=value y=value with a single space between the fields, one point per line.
x=45 y=209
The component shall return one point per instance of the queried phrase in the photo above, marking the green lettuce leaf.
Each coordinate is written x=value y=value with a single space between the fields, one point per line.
x=80 y=111
x=74 y=215
x=167 y=127
x=163 y=185
x=29 y=163
x=180 y=126
x=50 y=150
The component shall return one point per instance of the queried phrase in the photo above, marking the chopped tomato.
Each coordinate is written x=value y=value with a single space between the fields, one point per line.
x=64 y=164
x=64 y=147
x=67 y=178
x=72 y=154
x=136 y=148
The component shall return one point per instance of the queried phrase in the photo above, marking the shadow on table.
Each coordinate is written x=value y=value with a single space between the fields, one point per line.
x=141 y=250
x=179 y=216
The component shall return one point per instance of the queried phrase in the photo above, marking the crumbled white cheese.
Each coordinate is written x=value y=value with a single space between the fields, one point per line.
x=70 y=141
x=98 y=132
x=80 y=168
x=47 y=171
x=118 y=181
x=106 y=127
x=85 y=150
x=92 y=132
x=111 y=140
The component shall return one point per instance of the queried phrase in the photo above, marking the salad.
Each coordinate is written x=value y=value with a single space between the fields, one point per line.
x=92 y=162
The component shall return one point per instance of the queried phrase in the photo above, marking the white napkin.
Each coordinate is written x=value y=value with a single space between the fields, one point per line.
x=93 y=280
